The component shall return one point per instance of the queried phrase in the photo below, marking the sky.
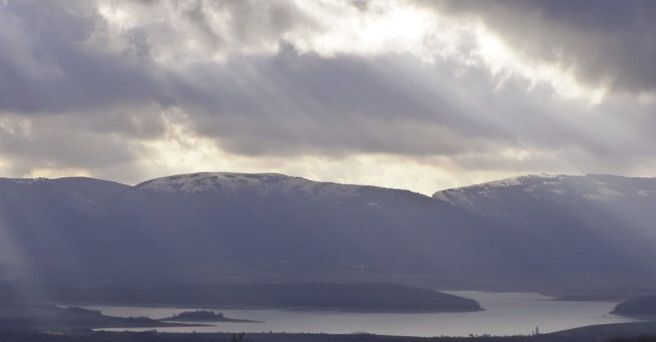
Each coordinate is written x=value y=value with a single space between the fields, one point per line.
x=421 y=95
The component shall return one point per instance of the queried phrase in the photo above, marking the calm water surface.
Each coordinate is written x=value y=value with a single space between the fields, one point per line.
x=506 y=314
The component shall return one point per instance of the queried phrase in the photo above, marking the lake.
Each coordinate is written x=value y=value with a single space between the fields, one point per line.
x=505 y=314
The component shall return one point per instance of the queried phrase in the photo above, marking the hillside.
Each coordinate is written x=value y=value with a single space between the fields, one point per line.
x=209 y=228
x=240 y=225
x=638 y=307
x=356 y=297
x=44 y=317
x=587 y=224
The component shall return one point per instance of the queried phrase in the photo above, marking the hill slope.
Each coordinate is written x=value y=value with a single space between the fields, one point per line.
x=209 y=226
x=640 y=307
x=593 y=224
x=270 y=223
x=216 y=227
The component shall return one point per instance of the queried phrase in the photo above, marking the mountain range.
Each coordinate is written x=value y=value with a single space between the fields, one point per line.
x=205 y=228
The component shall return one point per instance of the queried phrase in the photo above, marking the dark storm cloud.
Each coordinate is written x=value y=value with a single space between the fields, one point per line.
x=604 y=42
x=49 y=70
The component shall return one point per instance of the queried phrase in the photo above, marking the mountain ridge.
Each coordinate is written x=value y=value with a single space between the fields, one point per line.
x=497 y=182
x=272 y=226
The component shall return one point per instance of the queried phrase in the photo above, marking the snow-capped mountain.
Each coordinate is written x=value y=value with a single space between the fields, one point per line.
x=216 y=225
x=593 y=188
x=258 y=184
x=275 y=223
x=208 y=227
x=593 y=221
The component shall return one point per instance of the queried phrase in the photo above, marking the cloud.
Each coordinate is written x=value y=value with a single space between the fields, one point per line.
x=335 y=90
x=184 y=32
x=46 y=67
x=604 y=43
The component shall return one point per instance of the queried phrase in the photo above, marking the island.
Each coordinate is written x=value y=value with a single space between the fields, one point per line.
x=42 y=316
x=204 y=316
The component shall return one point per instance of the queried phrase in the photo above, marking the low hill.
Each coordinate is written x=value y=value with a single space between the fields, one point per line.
x=639 y=307
x=357 y=297
x=16 y=316
x=204 y=316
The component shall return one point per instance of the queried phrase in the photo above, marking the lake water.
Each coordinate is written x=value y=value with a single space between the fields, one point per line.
x=506 y=314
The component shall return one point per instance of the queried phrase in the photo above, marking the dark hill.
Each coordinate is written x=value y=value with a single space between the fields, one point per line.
x=210 y=228
x=642 y=306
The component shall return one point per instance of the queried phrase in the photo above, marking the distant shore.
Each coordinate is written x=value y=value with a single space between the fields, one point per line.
x=605 y=332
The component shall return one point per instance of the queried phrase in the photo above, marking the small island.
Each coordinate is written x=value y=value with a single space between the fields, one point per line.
x=204 y=316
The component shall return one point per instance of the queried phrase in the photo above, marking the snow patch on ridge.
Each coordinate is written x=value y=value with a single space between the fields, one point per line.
x=260 y=183
x=595 y=188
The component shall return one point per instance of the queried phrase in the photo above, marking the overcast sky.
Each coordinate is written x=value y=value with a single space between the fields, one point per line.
x=422 y=95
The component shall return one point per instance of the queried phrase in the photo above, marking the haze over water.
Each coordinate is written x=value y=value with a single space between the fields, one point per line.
x=505 y=314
